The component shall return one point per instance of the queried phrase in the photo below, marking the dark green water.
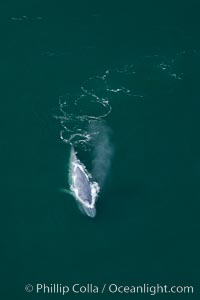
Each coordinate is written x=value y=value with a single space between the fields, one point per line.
x=147 y=224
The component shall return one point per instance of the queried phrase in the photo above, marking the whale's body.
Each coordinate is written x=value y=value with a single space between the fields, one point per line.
x=84 y=190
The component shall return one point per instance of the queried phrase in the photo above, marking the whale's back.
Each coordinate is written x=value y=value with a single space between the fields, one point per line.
x=83 y=188
x=83 y=185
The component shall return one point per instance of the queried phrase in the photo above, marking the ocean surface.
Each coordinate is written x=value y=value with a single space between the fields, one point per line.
x=119 y=81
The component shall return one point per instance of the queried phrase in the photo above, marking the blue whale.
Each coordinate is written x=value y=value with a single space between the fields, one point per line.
x=84 y=190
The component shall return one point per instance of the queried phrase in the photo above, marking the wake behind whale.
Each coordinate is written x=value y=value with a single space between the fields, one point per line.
x=83 y=129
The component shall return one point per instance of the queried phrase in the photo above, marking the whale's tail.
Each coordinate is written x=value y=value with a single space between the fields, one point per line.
x=73 y=153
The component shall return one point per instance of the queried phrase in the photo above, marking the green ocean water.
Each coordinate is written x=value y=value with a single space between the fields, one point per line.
x=144 y=60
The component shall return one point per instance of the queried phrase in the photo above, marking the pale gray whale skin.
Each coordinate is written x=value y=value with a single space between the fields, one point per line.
x=84 y=190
